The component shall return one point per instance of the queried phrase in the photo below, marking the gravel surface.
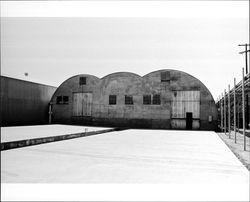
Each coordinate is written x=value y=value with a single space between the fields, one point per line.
x=238 y=148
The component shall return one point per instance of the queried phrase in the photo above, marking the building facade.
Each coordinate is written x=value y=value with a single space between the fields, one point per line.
x=164 y=99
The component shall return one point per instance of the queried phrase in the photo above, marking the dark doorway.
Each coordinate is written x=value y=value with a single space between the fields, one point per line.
x=189 y=120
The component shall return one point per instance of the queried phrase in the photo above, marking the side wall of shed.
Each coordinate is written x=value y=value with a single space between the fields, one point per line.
x=23 y=102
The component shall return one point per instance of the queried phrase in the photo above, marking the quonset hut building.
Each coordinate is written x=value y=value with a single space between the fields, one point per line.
x=164 y=99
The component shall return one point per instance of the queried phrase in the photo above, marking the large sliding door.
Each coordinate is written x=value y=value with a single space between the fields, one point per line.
x=185 y=110
x=82 y=104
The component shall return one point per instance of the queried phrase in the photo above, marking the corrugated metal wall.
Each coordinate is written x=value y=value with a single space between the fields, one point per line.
x=183 y=102
x=23 y=102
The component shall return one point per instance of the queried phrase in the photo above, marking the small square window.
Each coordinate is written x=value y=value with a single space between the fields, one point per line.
x=147 y=99
x=65 y=99
x=112 y=99
x=82 y=81
x=59 y=100
x=156 y=99
x=165 y=76
x=62 y=100
x=128 y=100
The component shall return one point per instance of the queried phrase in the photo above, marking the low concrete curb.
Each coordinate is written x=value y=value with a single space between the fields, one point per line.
x=43 y=140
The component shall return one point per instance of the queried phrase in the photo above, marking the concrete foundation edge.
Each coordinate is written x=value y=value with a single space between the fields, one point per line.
x=43 y=140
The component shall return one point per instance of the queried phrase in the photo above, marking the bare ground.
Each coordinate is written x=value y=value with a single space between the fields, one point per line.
x=238 y=147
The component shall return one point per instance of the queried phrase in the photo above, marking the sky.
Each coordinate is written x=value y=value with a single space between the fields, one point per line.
x=53 y=41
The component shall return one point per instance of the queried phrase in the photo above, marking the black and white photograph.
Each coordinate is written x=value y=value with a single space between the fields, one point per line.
x=125 y=100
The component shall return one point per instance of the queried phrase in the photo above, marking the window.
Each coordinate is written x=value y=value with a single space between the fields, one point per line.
x=128 y=100
x=82 y=81
x=112 y=99
x=65 y=99
x=62 y=100
x=147 y=99
x=165 y=76
x=59 y=100
x=156 y=99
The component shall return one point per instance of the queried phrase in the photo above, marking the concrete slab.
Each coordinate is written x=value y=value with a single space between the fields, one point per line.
x=144 y=165
x=37 y=131
x=132 y=156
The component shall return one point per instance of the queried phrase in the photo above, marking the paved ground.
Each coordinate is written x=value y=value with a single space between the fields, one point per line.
x=190 y=158
x=133 y=156
x=238 y=148
x=26 y=132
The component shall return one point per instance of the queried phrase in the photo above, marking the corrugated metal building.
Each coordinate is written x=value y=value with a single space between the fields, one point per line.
x=24 y=103
x=166 y=99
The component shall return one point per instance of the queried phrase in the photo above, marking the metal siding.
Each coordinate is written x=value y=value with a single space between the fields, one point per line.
x=24 y=102
x=182 y=102
x=82 y=104
x=181 y=124
x=88 y=102
x=185 y=101
x=178 y=124
x=77 y=107
x=196 y=124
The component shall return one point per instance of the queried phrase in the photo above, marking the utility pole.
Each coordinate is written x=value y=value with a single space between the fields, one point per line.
x=234 y=110
x=225 y=113
x=243 y=108
x=246 y=51
x=238 y=111
x=229 y=122
x=50 y=112
x=222 y=112
x=247 y=112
